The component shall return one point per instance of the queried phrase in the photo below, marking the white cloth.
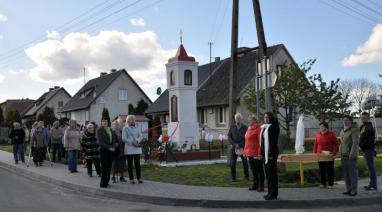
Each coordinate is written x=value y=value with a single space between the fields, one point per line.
x=300 y=136
x=264 y=131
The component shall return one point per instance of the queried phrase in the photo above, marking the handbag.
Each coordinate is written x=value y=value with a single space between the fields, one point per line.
x=239 y=150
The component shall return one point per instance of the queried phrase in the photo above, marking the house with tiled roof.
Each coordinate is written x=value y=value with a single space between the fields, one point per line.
x=213 y=87
x=114 y=90
x=15 y=104
x=55 y=99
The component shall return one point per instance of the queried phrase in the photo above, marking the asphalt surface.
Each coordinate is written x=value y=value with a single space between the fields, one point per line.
x=18 y=193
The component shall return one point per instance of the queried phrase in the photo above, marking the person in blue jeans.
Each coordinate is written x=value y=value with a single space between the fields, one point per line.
x=17 y=138
x=72 y=143
x=367 y=145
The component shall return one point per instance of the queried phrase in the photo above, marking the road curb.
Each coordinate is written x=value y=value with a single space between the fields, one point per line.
x=206 y=203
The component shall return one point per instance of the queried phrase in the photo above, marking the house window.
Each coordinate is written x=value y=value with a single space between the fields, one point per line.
x=174 y=109
x=203 y=116
x=221 y=115
x=60 y=103
x=122 y=94
x=102 y=100
x=187 y=77
x=172 y=78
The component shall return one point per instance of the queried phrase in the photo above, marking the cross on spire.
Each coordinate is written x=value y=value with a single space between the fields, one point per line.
x=181 y=36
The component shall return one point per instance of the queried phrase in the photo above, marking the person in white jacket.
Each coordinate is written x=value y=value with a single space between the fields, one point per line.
x=132 y=137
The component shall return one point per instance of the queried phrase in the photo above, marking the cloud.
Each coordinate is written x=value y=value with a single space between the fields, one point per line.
x=63 y=60
x=2 y=77
x=12 y=72
x=3 y=18
x=1 y=37
x=138 y=22
x=368 y=52
x=53 y=35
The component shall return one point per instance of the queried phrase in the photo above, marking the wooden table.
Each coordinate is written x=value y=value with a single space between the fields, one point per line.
x=304 y=158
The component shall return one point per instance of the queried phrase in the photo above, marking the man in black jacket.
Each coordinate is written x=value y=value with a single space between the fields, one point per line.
x=367 y=145
x=236 y=136
x=17 y=137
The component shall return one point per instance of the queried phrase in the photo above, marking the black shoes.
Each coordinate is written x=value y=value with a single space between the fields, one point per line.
x=350 y=193
x=122 y=179
x=113 y=180
x=370 y=188
x=270 y=197
x=140 y=181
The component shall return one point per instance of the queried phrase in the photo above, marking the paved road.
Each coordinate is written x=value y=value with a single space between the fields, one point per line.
x=18 y=193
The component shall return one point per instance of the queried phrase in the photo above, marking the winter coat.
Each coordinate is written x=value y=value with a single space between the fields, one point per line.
x=129 y=135
x=237 y=136
x=349 y=142
x=57 y=135
x=104 y=140
x=90 y=145
x=38 y=138
x=72 y=139
x=367 y=136
x=326 y=142
x=17 y=136
x=273 y=136
x=252 y=141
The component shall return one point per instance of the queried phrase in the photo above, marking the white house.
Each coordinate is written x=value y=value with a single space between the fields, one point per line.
x=114 y=91
x=55 y=99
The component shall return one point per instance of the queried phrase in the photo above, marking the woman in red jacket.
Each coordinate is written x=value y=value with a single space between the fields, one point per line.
x=252 y=151
x=326 y=140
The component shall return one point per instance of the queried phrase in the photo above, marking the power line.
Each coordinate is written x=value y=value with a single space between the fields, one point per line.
x=375 y=4
x=222 y=22
x=346 y=13
x=355 y=10
x=127 y=16
x=215 y=20
x=16 y=51
x=111 y=14
x=367 y=7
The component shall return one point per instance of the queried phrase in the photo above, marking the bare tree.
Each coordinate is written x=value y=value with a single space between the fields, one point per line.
x=345 y=87
x=362 y=89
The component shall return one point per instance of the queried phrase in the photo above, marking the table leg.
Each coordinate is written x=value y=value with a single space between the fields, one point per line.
x=302 y=173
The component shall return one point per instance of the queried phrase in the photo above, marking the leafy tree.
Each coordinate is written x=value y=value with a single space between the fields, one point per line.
x=47 y=116
x=12 y=116
x=131 y=109
x=326 y=100
x=105 y=115
x=140 y=109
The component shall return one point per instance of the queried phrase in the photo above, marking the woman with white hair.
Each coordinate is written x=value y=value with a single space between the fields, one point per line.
x=119 y=160
x=72 y=140
x=91 y=148
x=132 y=137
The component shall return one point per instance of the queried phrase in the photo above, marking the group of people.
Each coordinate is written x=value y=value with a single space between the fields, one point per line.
x=112 y=148
x=353 y=139
x=257 y=145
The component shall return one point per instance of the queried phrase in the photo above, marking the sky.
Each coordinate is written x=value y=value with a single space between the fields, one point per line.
x=53 y=43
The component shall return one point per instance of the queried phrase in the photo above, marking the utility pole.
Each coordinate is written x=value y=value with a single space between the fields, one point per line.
x=210 y=44
x=262 y=56
x=233 y=68
x=84 y=76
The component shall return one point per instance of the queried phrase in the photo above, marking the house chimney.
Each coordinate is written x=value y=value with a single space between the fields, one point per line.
x=113 y=70
x=56 y=87
x=217 y=59
x=102 y=74
x=51 y=89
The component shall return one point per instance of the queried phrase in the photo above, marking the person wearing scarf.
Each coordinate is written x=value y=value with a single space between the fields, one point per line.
x=106 y=143
x=269 y=135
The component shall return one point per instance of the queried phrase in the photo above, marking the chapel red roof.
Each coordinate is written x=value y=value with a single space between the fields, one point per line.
x=181 y=55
